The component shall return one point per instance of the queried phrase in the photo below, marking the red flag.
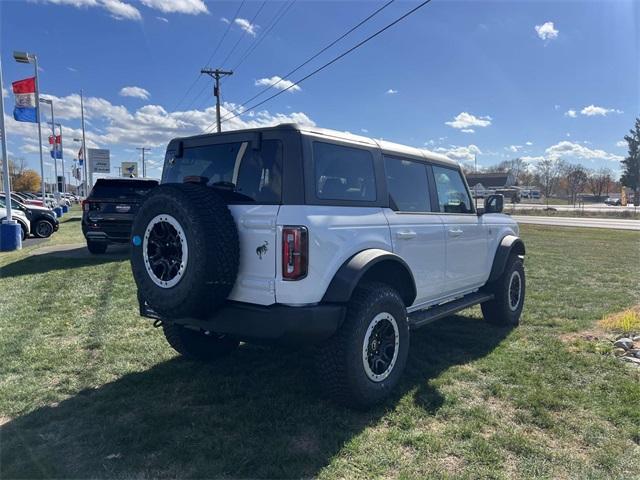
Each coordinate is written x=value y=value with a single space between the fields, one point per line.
x=27 y=85
x=58 y=139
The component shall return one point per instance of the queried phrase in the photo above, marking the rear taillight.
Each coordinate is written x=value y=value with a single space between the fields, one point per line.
x=295 y=253
x=85 y=205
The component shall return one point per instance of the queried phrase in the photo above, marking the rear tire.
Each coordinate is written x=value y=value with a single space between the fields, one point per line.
x=97 y=248
x=509 y=291
x=196 y=345
x=361 y=364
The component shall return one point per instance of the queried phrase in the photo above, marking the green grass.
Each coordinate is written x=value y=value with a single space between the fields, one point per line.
x=90 y=389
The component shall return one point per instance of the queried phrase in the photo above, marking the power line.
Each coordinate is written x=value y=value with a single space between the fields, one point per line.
x=331 y=62
x=244 y=32
x=314 y=56
x=210 y=58
x=274 y=21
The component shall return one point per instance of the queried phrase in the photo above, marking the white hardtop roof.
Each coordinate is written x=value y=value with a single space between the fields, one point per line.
x=384 y=145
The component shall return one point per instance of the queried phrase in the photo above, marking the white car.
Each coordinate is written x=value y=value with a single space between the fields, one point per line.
x=307 y=235
x=20 y=217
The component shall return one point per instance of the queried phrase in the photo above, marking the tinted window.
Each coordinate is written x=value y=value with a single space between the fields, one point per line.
x=408 y=185
x=255 y=176
x=121 y=188
x=343 y=173
x=452 y=193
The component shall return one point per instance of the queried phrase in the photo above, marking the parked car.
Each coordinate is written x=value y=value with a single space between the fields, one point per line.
x=312 y=236
x=20 y=217
x=43 y=220
x=613 y=201
x=28 y=199
x=109 y=210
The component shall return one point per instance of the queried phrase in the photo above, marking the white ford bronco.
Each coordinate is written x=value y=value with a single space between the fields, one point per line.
x=312 y=236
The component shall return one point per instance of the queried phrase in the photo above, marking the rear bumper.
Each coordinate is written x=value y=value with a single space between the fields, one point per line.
x=275 y=323
x=106 y=233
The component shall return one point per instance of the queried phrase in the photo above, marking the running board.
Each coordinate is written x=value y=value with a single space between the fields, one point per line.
x=421 y=318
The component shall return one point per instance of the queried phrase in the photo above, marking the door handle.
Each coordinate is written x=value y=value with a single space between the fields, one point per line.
x=455 y=232
x=406 y=235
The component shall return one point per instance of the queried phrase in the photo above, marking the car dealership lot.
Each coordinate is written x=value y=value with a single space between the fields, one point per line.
x=88 y=388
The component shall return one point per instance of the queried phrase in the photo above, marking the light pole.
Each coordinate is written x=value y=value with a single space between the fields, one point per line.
x=10 y=230
x=144 y=169
x=25 y=57
x=88 y=175
x=49 y=102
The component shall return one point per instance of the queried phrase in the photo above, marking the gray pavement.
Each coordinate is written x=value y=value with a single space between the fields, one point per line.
x=613 y=223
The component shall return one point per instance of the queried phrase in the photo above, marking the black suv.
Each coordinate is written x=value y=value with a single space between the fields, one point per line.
x=109 y=210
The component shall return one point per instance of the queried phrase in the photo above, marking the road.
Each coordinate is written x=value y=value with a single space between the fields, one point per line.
x=587 y=207
x=613 y=223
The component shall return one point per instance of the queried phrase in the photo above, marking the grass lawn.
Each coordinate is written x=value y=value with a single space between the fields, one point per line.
x=89 y=389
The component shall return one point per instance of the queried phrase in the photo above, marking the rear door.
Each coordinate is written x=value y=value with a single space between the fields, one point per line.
x=248 y=175
x=417 y=234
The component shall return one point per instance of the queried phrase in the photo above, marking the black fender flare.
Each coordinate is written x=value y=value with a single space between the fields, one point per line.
x=380 y=265
x=508 y=245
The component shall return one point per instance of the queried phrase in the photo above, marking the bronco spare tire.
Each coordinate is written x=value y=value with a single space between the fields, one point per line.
x=185 y=250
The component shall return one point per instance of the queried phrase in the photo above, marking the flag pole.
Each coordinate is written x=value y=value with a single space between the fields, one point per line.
x=10 y=231
x=35 y=64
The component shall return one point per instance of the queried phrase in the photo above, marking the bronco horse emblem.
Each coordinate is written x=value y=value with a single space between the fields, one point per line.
x=262 y=249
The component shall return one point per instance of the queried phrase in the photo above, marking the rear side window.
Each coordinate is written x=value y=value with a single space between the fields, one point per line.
x=121 y=188
x=343 y=173
x=408 y=185
x=255 y=176
x=452 y=193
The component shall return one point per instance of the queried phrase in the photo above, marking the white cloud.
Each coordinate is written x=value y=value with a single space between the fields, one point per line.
x=277 y=82
x=391 y=91
x=121 y=10
x=513 y=148
x=162 y=19
x=468 y=130
x=247 y=26
x=225 y=20
x=190 y=7
x=364 y=130
x=547 y=31
x=529 y=159
x=136 y=92
x=592 y=110
x=528 y=144
x=622 y=144
x=5 y=92
x=71 y=69
x=575 y=150
x=570 y=113
x=460 y=154
x=466 y=120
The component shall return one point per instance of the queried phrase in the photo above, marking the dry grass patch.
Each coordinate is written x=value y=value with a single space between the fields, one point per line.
x=627 y=321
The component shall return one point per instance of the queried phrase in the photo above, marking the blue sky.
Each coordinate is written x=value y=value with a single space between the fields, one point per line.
x=497 y=79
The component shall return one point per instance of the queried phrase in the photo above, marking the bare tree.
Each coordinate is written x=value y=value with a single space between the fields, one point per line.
x=599 y=181
x=549 y=171
x=576 y=178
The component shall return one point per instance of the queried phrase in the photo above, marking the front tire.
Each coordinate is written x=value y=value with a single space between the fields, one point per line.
x=362 y=363
x=509 y=291
x=195 y=345
x=43 y=229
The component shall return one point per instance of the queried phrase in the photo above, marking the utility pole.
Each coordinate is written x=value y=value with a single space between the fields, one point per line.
x=217 y=74
x=144 y=169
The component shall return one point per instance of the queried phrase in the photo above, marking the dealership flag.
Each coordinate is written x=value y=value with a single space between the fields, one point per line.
x=26 y=108
x=56 y=148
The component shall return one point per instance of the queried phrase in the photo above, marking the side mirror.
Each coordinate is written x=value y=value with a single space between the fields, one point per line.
x=494 y=204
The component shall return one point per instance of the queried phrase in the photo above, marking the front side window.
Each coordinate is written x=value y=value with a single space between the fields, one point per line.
x=408 y=185
x=252 y=175
x=343 y=173
x=452 y=193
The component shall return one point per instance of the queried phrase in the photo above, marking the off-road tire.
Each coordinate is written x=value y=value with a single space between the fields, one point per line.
x=195 y=345
x=43 y=229
x=500 y=311
x=213 y=247
x=339 y=361
x=97 y=248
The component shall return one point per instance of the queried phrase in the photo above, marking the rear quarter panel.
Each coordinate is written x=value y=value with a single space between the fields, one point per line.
x=335 y=235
